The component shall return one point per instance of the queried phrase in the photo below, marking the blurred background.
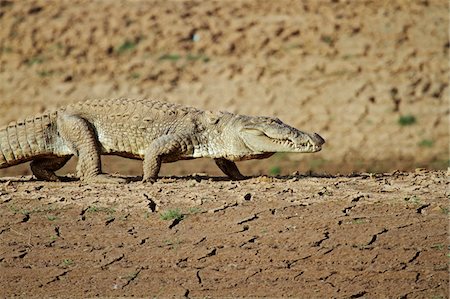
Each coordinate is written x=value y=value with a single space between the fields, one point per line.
x=371 y=77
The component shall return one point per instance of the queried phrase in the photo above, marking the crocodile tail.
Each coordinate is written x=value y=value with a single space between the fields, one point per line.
x=23 y=140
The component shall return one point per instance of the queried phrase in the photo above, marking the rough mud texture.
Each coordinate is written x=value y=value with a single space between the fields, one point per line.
x=371 y=236
x=369 y=76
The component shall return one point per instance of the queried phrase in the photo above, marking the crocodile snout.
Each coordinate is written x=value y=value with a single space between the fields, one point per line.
x=318 y=140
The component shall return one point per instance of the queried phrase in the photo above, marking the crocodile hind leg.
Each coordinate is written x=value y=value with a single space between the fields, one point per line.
x=44 y=168
x=80 y=136
x=229 y=168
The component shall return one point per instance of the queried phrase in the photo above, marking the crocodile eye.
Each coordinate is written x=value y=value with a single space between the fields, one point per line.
x=275 y=120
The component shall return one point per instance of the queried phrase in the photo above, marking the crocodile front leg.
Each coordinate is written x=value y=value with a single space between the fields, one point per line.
x=165 y=148
x=229 y=168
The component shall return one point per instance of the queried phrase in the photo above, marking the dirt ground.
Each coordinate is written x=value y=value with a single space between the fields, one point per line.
x=371 y=77
x=361 y=236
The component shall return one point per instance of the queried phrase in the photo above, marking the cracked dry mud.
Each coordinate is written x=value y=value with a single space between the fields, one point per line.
x=348 y=70
x=365 y=235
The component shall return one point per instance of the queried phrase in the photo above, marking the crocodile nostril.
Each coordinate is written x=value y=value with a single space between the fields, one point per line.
x=318 y=139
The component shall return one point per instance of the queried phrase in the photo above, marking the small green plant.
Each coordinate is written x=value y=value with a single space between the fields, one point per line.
x=135 y=75
x=414 y=199
x=293 y=46
x=172 y=244
x=25 y=212
x=407 y=120
x=438 y=246
x=67 y=262
x=327 y=39
x=188 y=57
x=426 y=143
x=194 y=210
x=92 y=209
x=45 y=73
x=275 y=170
x=197 y=57
x=445 y=210
x=348 y=56
x=13 y=209
x=34 y=60
x=95 y=209
x=5 y=49
x=171 y=57
x=17 y=210
x=172 y=215
x=359 y=221
x=126 y=46
x=51 y=217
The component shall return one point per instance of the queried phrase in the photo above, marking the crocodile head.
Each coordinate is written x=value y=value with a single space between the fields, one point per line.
x=269 y=135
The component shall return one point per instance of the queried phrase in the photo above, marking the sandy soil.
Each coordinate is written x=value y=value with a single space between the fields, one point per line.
x=370 y=76
x=371 y=236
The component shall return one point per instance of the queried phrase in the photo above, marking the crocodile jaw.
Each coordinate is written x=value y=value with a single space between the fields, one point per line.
x=264 y=134
x=303 y=143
